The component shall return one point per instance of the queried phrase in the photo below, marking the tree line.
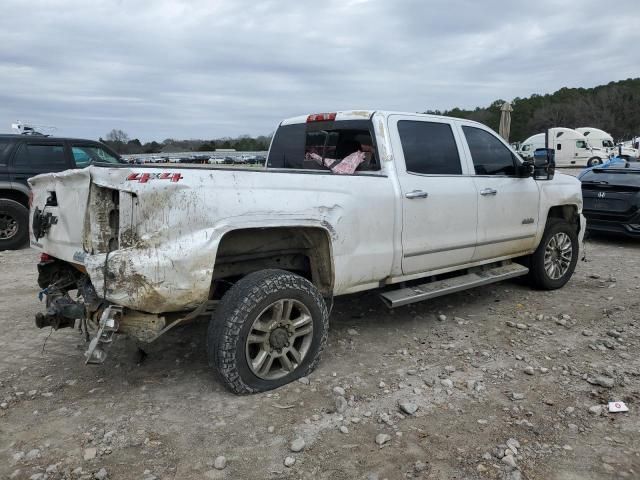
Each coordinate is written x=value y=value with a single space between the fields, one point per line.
x=614 y=108
x=120 y=141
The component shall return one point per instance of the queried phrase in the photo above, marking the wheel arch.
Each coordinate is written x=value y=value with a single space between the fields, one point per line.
x=306 y=250
x=558 y=220
x=15 y=195
x=567 y=212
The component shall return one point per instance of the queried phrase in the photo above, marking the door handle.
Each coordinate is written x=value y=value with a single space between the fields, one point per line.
x=488 y=191
x=416 y=194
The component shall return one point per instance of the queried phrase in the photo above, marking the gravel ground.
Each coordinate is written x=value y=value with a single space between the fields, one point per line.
x=500 y=382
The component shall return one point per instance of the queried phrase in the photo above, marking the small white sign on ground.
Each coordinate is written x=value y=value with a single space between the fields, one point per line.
x=617 y=407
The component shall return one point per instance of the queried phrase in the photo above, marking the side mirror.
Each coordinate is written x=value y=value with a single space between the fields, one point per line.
x=544 y=163
x=526 y=169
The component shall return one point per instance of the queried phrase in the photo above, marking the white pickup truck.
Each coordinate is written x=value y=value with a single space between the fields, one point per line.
x=412 y=205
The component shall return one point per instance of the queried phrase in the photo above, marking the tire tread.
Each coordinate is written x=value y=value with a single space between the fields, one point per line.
x=234 y=310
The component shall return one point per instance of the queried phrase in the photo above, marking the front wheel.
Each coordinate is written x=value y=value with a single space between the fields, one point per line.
x=593 y=161
x=554 y=261
x=268 y=330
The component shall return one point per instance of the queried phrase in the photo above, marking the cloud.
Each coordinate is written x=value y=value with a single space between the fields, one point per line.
x=203 y=69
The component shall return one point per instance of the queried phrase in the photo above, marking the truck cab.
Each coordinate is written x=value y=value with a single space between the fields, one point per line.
x=530 y=145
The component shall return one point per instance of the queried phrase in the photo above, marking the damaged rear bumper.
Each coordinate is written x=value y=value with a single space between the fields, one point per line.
x=98 y=319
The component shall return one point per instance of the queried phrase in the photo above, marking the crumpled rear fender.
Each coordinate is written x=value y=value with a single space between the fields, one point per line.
x=173 y=276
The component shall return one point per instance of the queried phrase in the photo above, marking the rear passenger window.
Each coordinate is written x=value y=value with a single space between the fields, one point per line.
x=429 y=148
x=490 y=156
x=36 y=156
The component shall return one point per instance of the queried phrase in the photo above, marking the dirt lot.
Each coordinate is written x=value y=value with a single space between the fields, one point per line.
x=507 y=366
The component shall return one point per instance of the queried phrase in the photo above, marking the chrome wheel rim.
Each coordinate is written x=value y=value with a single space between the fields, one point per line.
x=557 y=255
x=8 y=226
x=279 y=339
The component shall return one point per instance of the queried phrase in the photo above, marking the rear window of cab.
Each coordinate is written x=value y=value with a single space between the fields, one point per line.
x=321 y=145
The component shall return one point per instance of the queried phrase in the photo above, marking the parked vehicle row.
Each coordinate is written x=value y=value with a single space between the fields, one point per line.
x=238 y=160
x=226 y=159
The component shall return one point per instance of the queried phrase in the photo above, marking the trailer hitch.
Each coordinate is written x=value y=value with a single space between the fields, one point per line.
x=62 y=312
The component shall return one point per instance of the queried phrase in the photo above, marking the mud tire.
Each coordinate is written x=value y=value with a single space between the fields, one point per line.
x=231 y=323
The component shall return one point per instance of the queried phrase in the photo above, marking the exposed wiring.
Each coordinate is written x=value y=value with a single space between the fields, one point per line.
x=42 y=293
x=45 y=340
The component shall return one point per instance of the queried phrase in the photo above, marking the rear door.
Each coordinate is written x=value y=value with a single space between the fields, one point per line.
x=33 y=157
x=507 y=205
x=439 y=200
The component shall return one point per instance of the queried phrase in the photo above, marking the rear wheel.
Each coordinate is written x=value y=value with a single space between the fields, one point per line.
x=14 y=225
x=268 y=330
x=554 y=261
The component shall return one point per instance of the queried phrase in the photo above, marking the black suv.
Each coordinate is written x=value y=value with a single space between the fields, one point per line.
x=25 y=156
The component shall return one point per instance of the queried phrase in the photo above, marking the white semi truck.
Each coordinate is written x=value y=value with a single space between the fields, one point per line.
x=571 y=148
x=599 y=139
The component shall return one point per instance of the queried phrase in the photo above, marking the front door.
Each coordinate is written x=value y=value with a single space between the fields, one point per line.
x=507 y=204
x=439 y=201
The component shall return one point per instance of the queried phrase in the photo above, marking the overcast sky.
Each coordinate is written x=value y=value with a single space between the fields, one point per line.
x=206 y=68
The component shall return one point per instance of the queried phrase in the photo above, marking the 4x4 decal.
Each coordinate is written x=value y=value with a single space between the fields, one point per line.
x=145 y=177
